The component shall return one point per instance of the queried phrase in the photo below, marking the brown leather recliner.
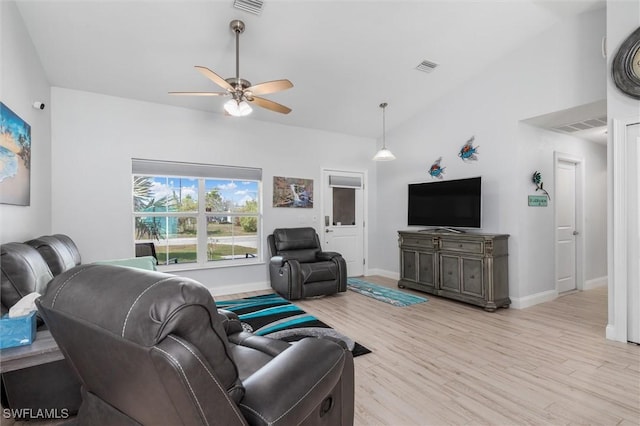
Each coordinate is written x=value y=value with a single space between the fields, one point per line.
x=299 y=268
x=151 y=348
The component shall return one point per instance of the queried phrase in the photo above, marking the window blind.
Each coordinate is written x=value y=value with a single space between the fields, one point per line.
x=345 y=181
x=174 y=168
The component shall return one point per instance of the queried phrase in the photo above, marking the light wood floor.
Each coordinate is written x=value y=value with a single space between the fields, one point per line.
x=447 y=363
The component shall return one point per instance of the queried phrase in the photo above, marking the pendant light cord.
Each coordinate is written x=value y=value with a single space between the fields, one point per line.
x=383 y=106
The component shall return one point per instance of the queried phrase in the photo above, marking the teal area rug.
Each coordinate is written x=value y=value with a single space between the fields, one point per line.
x=382 y=293
x=273 y=316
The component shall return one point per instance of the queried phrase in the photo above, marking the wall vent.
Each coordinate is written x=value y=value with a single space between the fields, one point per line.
x=251 y=6
x=426 y=66
x=582 y=125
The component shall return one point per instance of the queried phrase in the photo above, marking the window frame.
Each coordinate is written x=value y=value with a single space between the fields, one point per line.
x=202 y=172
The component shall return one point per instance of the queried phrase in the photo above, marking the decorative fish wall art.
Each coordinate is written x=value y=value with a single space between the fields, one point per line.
x=436 y=170
x=537 y=180
x=468 y=152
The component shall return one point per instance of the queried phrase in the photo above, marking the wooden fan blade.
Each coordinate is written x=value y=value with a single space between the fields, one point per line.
x=199 y=93
x=270 y=87
x=215 y=78
x=273 y=106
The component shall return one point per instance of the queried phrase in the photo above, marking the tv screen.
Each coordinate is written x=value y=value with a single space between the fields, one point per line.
x=452 y=203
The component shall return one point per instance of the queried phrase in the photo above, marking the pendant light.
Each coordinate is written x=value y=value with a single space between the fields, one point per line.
x=384 y=154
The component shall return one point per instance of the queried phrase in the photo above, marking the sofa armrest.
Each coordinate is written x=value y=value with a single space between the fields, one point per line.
x=328 y=255
x=342 y=267
x=272 y=397
x=277 y=261
x=266 y=345
x=230 y=322
x=286 y=277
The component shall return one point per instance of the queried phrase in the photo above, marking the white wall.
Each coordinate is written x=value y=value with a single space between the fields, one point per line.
x=23 y=81
x=95 y=137
x=623 y=17
x=561 y=68
x=537 y=236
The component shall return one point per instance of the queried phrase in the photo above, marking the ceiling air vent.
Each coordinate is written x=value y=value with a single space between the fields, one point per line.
x=582 y=125
x=426 y=66
x=251 y=6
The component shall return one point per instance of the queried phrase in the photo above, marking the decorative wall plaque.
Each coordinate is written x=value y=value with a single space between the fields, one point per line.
x=625 y=67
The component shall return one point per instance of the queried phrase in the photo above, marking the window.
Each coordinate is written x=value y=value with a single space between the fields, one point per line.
x=197 y=214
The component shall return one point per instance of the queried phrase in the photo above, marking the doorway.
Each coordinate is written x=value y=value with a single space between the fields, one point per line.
x=343 y=217
x=568 y=223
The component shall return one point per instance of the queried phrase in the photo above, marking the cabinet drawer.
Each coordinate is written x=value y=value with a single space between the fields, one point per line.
x=417 y=242
x=462 y=246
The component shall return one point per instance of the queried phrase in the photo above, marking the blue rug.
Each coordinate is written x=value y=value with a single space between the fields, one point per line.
x=382 y=293
x=273 y=316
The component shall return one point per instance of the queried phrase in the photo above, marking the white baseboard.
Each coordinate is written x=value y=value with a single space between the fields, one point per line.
x=239 y=288
x=384 y=273
x=534 y=299
x=612 y=333
x=596 y=282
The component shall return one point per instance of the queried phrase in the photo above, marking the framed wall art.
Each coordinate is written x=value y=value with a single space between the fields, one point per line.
x=292 y=192
x=15 y=158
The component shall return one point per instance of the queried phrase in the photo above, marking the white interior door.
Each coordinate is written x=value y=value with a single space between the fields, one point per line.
x=566 y=232
x=633 y=242
x=343 y=217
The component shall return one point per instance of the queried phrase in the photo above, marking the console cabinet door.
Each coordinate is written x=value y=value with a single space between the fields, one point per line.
x=472 y=277
x=450 y=273
x=409 y=268
x=426 y=272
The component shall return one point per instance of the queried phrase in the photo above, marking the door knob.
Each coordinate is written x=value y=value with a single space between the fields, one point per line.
x=328 y=230
x=575 y=232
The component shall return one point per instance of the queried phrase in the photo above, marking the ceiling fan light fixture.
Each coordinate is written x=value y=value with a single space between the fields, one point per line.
x=237 y=109
x=241 y=91
x=384 y=154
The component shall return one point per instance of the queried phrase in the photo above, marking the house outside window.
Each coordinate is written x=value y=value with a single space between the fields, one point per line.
x=197 y=215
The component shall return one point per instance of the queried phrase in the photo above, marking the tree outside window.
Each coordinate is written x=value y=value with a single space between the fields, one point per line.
x=168 y=212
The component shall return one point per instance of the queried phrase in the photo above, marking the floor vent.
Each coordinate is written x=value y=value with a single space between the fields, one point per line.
x=251 y=6
x=426 y=66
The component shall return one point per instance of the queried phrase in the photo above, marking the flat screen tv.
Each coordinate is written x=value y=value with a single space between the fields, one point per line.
x=446 y=204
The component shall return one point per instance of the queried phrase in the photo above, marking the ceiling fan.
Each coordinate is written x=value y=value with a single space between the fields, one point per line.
x=241 y=91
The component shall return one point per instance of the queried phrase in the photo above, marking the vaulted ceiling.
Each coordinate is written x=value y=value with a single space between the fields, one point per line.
x=343 y=57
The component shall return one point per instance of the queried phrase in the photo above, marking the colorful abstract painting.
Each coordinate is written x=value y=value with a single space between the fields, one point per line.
x=15 y=158
x=292 y=192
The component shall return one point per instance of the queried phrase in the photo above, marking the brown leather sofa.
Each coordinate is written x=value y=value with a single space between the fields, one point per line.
x=151 y=348
x=299 y=268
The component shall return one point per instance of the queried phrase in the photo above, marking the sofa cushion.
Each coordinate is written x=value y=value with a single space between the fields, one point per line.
x=295 y=239
x=24 y=271
x=301 y=244
x=59 y=251
x=319 y=271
